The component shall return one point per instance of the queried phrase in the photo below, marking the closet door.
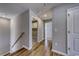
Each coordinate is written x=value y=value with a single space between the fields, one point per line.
x=73 y=31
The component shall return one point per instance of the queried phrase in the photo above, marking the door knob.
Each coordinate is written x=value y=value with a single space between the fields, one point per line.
x=68 y=31
x=68 y=48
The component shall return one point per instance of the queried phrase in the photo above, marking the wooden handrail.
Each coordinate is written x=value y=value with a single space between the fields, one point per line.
x=18 y=39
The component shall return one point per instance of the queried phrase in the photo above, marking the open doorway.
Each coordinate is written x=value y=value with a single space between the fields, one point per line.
x=48 y=33
x=4 y=35
x=34 y=31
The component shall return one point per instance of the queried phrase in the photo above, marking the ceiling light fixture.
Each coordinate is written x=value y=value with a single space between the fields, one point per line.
x=45 y=15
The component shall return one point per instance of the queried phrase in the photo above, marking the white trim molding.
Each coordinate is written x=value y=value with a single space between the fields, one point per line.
x=61 y=53
x=26 y=47
x=40 y=40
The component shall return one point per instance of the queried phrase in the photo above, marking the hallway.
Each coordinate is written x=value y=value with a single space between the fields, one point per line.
x=24 y=27
x=37 y=50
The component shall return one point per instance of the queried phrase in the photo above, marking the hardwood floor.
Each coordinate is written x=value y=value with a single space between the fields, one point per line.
x=37 y=50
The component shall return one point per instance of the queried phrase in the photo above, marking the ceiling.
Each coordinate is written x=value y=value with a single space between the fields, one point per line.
x=12 y=9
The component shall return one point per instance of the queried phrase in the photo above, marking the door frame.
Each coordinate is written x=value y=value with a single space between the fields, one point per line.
x=37 y=29
x=46 y=21
x=68 y=11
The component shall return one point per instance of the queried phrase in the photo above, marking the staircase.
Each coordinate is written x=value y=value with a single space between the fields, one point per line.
x=21 y=35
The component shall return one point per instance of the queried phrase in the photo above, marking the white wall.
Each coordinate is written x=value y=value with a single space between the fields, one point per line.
x=40 y=25
x=16 y=30
x=40 y=30
x=23 y=23
x=20 y=24
x=59 y=25
x=4 y=35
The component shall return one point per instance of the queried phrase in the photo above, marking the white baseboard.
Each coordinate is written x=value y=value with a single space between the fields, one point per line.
x=40 y=40
x=13 y=51
x=26 y=47
x=5 y=53
x=64 y=54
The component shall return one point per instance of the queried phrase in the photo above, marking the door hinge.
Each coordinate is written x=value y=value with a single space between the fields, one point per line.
x=68 y=48
x=68 y=14
x=68 y=31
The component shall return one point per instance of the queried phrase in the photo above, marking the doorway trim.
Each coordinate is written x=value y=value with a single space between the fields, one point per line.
x=33 y=21
x=68 y=11
x=46 y=21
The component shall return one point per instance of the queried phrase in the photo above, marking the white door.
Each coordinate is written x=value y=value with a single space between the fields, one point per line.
x=73 y=31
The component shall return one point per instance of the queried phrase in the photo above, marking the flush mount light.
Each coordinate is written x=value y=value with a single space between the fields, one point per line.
x=45 y=15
